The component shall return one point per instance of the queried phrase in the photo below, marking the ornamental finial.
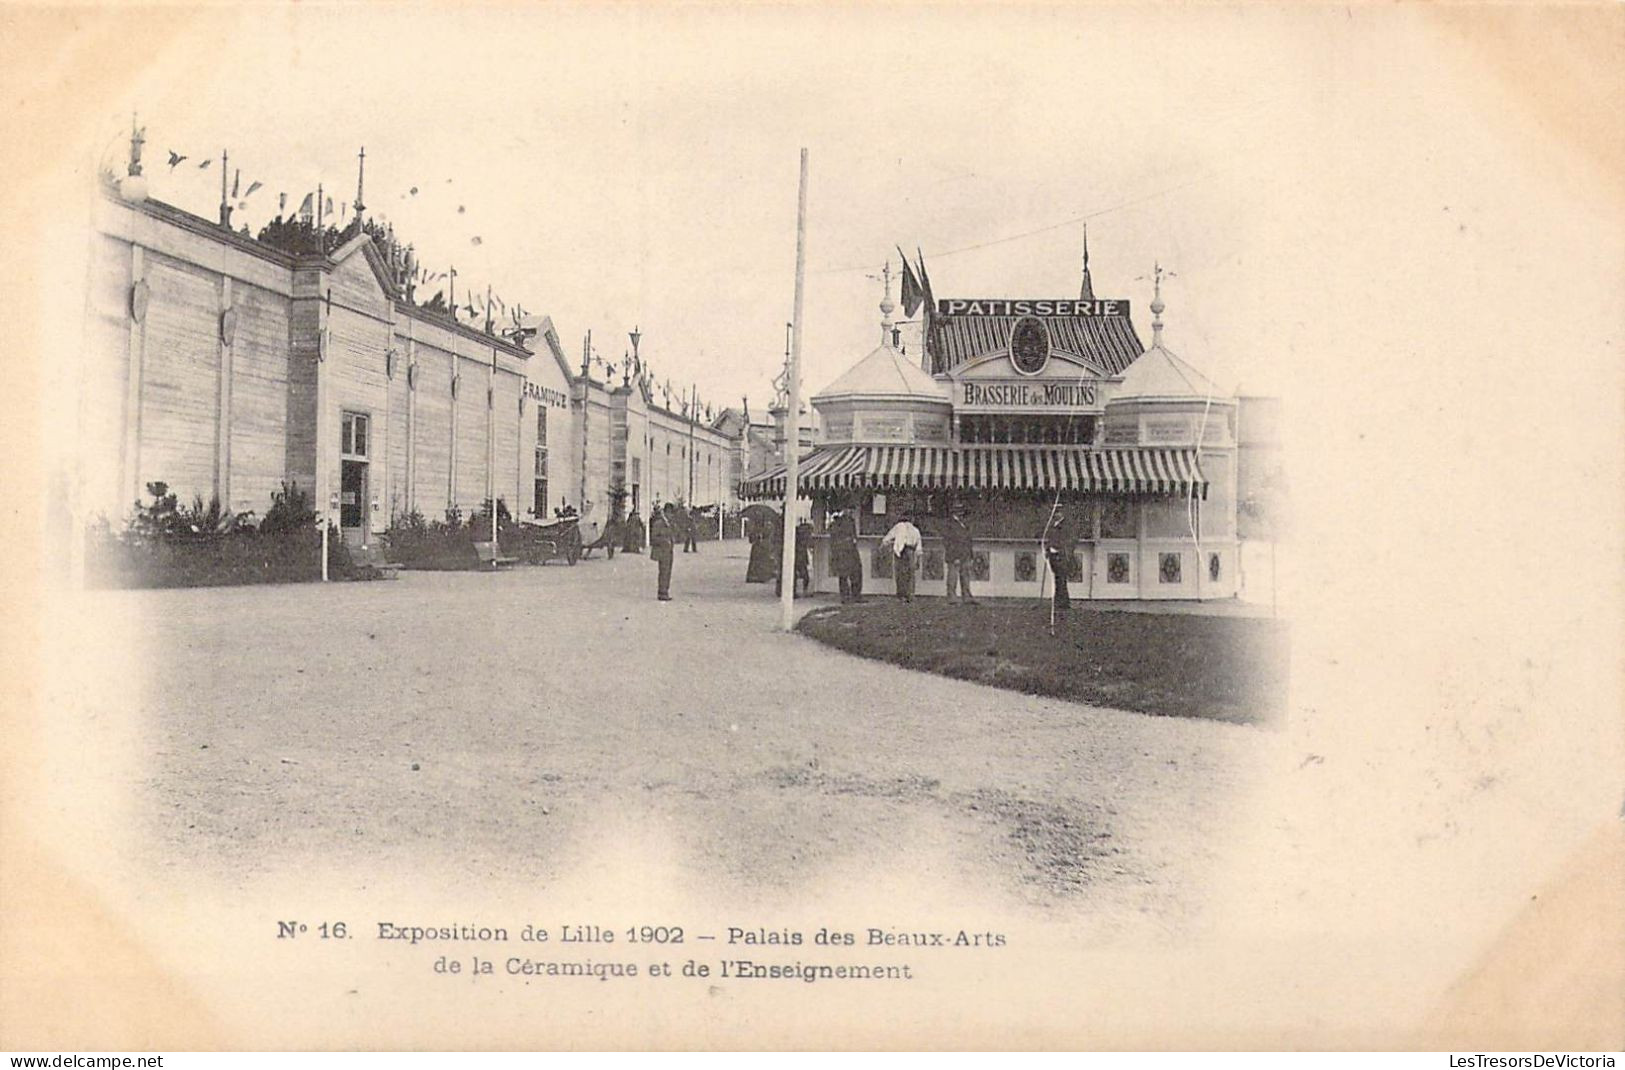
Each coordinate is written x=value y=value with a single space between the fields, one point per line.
x=1156 y=306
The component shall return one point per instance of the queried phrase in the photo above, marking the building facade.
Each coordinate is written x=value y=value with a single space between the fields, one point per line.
x=225 y=365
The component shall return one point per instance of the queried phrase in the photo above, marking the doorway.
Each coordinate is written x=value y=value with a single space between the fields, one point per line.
x=354 y=462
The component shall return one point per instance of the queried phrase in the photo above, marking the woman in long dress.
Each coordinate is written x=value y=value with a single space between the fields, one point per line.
x=764 y=551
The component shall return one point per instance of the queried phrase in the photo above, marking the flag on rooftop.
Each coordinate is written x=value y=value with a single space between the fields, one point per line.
x=913 y=292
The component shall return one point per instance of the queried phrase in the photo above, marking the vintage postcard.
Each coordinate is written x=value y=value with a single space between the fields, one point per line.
x=807 y=526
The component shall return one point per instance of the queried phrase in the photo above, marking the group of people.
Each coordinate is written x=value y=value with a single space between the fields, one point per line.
x=1058 y=540
x=670 y=524
x=958 y=556
x=767 y=554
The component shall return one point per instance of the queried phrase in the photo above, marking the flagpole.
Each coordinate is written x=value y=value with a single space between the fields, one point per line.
x=792 y=444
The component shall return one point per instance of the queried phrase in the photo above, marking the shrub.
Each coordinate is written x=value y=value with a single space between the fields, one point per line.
x=432 y=544
x=290 y=510
x=165 y=544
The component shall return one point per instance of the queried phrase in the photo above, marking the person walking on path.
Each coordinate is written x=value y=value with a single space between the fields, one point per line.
x=685 y=521
x=763 y=534
x=802 y=564
x=958 y=555
x=904 y=538
x=662 y=532
x=844 y=559
x=693 y=518
x=1060 y=544
x=632 y=529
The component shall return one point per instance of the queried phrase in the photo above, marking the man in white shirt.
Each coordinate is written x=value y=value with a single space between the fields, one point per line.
x=905 y=543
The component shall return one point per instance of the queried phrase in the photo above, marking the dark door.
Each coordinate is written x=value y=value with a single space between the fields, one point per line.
x=353 y=494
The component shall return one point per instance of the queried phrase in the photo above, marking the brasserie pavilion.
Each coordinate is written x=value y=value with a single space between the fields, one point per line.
x=1019 y=412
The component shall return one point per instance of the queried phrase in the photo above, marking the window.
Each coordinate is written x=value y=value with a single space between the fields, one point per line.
x=353 y=436
x=1117 y=568
x=1213 y=567
x=539 y=492
x=1168 y=568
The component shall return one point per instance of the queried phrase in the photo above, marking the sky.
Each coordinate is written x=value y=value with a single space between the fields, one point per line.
x=629 y=167
x=1384 y=214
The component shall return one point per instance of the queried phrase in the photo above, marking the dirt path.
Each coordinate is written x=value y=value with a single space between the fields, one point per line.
x=498 y=724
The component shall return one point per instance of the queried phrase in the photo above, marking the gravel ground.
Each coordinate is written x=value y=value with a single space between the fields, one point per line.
x=500 y=724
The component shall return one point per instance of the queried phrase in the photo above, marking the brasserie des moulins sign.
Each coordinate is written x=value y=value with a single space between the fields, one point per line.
x=1029 y=394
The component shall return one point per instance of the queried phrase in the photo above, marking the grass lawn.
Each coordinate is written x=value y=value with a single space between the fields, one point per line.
x=1184 y=665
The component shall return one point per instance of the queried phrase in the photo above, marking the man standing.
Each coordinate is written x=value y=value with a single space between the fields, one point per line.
x=958 y=555
x=685 y=520
x=661 y=537
x=905 y=543
x=844 y=559
x=802 y=568
x=1060 y=542
x=694 y=517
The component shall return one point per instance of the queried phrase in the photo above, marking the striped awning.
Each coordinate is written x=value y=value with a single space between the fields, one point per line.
x=1013 y=468
x=824 y=469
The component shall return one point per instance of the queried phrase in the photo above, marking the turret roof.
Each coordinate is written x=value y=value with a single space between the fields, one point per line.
x=885 y=373
x=1159 y=373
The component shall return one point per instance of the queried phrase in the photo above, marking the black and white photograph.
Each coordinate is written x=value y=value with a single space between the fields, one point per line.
x=814 y=527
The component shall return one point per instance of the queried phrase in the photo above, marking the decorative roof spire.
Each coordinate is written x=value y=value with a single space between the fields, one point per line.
x=133 y=186
x=225 y=202
x=886 y=306
x=1156 y=307
x=1087 y=292
x=138 y=137
x=360 y=180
